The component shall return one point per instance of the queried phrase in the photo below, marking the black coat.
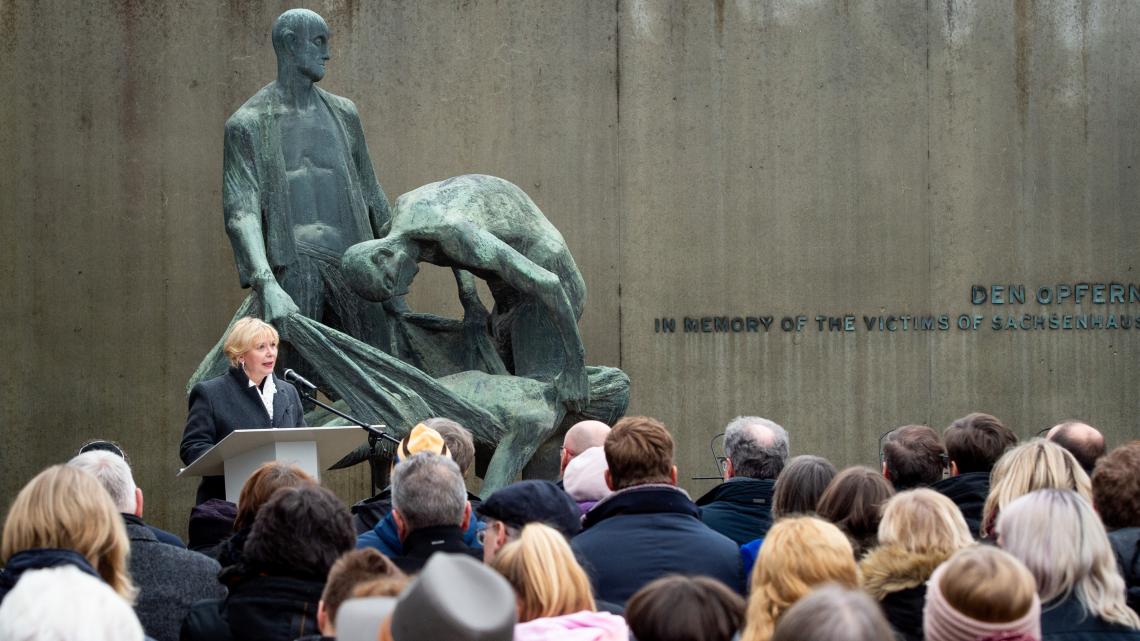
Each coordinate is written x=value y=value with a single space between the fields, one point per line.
x=38 y=559
x=740 y=509
x=1126 y=546
x=645 y=532
x=259 y=608
x=968 y=491
x=227 y=403
x=1067 y=620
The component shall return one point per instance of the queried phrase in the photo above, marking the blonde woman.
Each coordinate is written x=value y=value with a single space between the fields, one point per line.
x=1056 y=534
x=1036 y=465
x=920 y=529
x=552 y=591
x=799 y=554
x=246 y=396
x=63 y=516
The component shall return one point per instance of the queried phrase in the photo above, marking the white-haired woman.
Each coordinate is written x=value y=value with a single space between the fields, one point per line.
x=1056 y=534
x=246 y=396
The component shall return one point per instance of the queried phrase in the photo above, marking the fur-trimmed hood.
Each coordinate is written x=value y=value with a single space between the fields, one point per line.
x=890 y=568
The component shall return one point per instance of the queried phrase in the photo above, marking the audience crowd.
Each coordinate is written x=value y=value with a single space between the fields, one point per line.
x=965 y=535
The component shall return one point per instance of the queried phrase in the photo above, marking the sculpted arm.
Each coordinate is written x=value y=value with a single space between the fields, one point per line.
x=241 y=196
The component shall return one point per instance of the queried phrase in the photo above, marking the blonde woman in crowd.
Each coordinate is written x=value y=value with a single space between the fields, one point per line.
x=920 y=529
x=1036 y=465
x=1063 y=543
x=798 y=555
x=63 y=516
x=552 y=590
x=982 y=593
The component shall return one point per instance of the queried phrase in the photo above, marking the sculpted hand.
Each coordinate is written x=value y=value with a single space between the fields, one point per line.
x=276 y=304
x=573 y=387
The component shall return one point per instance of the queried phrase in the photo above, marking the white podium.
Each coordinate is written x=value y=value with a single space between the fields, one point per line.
x=242 y=451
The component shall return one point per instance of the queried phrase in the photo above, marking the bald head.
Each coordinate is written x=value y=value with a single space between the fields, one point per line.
x=581 y=437
x=1082 y=440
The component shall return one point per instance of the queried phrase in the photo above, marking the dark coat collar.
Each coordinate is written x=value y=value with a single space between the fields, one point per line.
x=740 y=490
x=422 y=543
x=642 y=499
x=280 y=400
x=38 y=559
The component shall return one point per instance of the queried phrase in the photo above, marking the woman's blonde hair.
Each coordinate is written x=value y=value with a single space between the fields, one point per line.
x=987 y=584
x=1063 y=543
x=546 y=577
x=244 y=334
x=798 y=555
x=64 y=507
x=1036 y=465
x=924 y=522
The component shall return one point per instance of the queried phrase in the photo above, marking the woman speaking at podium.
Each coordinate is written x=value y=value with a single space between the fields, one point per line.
x=247 y=396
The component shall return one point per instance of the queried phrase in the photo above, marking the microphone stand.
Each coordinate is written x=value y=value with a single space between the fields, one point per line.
x=375 y=435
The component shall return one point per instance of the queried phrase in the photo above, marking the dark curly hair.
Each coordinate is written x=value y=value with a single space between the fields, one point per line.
x=1116 y=487
x=299 y=532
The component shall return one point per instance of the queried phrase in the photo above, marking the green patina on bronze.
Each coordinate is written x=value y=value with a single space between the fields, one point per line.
x=330 y=265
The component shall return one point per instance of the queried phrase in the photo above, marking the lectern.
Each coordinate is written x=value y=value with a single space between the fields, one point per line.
x=240 y=453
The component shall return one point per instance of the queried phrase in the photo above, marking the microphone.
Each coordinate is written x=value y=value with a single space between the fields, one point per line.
x=294 y=377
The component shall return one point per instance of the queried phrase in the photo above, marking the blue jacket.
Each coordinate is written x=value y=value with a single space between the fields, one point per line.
x=648 y=531
x=384 y=537
x=740 y=508
x=38 y=559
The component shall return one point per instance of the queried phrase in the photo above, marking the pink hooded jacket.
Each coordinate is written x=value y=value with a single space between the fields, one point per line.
x=580 y=626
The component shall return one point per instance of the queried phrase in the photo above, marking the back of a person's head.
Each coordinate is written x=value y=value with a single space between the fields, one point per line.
x=546 y=577
x=981 y=592
x=923 y=521
x=975 y=442
x=428 y=491
x=350 y=571
x=66 y=604
x=113 y=473
x=66 y=508
x=1036 y=465
x=301 y=531
x=684 y=608
x=1080 y=439
x=800 y=485
x=460 y=443
x=833 y=613
x=585 y=476
x=1116 y=487
x=799 y=554
x=265 y=480
x=854 y=501
x=914 y=456
x=639 y=451
x=756 y=447
x=1056 y=534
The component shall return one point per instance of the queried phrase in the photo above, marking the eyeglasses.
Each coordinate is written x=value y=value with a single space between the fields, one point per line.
x=481 y=535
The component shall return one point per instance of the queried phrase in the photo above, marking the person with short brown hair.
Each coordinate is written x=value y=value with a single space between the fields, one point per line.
x=1116 y=495
x=981 y=592
x=913 y=456
x=974 y=443
x=648 y=527
x=685 y=608
x=854 y=502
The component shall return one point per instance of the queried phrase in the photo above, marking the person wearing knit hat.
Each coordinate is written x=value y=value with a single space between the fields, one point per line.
x=981 y=593
x=421 y=438
x=585 y=478
x=506 y=512
x=455 y=598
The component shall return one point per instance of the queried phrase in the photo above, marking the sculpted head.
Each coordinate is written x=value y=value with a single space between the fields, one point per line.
x=301 y=42
x=380 y=269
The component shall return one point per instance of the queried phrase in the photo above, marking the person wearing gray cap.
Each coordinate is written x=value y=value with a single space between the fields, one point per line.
x=455 y=598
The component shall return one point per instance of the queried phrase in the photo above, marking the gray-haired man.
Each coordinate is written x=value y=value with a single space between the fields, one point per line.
x=430 y=507
x=741 y=508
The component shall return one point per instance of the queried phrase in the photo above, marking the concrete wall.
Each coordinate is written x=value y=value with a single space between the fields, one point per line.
x=701 y=158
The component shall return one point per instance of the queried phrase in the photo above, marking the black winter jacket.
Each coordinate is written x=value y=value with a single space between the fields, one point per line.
x=38 y=559
x=259 y=608
x=1067 y=620
x=969 y=492
x=644 y=532
x=1126 y=545
x=740 y=509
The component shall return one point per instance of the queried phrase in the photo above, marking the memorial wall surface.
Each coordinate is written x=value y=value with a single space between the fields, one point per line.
x=843 y=216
